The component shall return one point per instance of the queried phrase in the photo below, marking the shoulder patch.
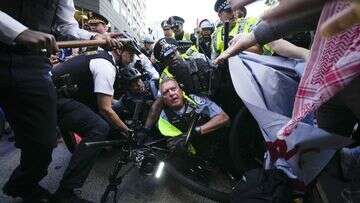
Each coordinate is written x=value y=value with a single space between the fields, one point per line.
x=199 y=100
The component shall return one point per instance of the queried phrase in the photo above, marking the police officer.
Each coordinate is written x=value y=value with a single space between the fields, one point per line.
x=86 y=85
x=178 y=110
x=201 y=39
x=237 y=25
x=98 y=25
x=168 y=32
x=177 y=25
x=193 y=73
x=27 y=94
x=134 y=105
x=206 y=30
x=148 y=47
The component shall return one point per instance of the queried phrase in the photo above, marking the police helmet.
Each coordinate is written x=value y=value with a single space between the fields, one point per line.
x=222 y=5
x=148 y=40
x=176 y=20
x=164 y=47
x=129 y=74
x=165 y=24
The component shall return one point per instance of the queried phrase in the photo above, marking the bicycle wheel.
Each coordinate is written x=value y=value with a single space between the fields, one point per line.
x=246 y=144
x=205 y=191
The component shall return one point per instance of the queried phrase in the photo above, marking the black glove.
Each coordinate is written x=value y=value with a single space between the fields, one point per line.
x=141 y=135
x=177 y=144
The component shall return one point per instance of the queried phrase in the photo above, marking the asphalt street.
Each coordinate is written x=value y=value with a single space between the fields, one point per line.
x=135 y=187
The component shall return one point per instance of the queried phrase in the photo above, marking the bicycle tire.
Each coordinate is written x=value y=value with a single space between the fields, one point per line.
x=245 y=142
x=196 y=187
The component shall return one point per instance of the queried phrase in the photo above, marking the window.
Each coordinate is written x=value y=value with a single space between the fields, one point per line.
x=116 y=5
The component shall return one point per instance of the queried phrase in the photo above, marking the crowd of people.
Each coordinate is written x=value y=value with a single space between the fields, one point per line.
x=96 y=91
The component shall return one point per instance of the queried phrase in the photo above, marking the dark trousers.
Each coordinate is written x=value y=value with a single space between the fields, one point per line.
x=77 y=117
x=28 y=99
x=340 y=114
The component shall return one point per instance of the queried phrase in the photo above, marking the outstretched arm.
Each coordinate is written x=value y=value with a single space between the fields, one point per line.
x=105 y=108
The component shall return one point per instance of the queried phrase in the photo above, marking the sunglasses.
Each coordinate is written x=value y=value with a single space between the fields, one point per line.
x=166 y=29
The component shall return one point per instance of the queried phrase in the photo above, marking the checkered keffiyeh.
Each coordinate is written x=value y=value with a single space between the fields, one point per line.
x=333 y=63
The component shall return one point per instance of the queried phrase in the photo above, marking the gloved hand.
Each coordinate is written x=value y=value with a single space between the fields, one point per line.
x=141 y=135
x=177 y=144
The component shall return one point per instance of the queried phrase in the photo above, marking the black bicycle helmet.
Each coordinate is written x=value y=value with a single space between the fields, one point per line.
x=129 y=74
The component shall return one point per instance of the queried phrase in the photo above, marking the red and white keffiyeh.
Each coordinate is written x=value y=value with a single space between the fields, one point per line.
x=334 y=63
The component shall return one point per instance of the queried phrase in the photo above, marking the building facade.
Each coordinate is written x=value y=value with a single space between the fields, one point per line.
x=128 y=15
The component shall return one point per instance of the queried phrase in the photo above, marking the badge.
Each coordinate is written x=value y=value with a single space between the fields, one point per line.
x=199 y=100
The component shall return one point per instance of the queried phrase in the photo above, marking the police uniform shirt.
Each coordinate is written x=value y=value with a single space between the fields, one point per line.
x=205 y=107
x=104 y=74
x=65 y=24
x=147 y=65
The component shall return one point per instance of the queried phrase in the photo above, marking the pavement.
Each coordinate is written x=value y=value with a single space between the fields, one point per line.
x=135 y=187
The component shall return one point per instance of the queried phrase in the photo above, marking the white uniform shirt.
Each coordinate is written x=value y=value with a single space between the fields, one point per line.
x=146 y=63
x=65 y=24
x=104 y=74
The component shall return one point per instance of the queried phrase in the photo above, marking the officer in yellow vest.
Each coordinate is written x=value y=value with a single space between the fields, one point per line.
x=193 y=73
x=202 y=41
x=179 y=110
x=237 y=25
x=177 y=25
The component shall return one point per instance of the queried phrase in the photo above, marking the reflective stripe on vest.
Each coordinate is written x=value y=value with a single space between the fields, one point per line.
x=243 y=25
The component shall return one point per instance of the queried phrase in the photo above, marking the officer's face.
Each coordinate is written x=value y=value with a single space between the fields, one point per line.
x=127 y=57
x=175 y=59
x=206 y=32
x=137 y=86
x=99 y=28
x=168 y=32
x=178 y=28
x=239 y=13
x=172 y=95
x=226 y=15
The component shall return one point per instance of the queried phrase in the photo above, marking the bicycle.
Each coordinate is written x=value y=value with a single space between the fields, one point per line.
x=153 y=157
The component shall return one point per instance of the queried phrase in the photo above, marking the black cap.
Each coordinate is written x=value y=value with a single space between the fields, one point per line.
x=222 y=5
x=165 y=23
x=175 y=20
x=164 y=47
